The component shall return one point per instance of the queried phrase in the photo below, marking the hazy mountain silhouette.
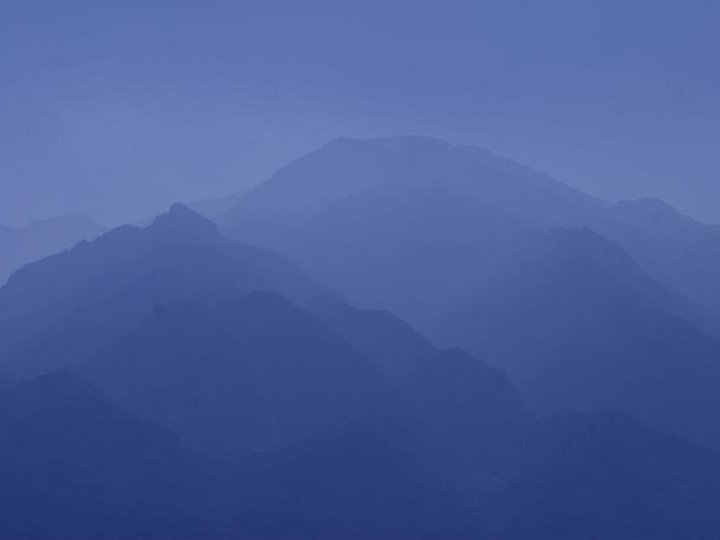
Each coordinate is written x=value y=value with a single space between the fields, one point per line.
x=60 y=310
x=674 y=248
x=250 y=374
x=72 y=465
x=324 y=421
x=580 y=327
x=382 y=220
x=434 y=232
x=37 y=240
x=388 y=221
x=377 y=480
x=75 y=466
x=348 y=167
x=467 y=414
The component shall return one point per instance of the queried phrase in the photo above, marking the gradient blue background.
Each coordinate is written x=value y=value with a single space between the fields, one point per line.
x=114 y=109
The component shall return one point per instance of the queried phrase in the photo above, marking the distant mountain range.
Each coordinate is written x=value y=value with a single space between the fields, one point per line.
x=355 y=211
x=168 y=381
x=68 y=305
x=303 y=418
x=588 y=305
x=37 y=240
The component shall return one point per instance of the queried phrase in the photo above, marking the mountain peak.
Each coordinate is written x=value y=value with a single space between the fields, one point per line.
x=181 y=220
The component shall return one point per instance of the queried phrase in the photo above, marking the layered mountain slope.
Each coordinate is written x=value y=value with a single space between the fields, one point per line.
x=73 y=465
x=340 y=423
x=37 y=240
x=348 y=167
x=674 y=248
x=579 y=327
x=610 y=477
x=467 y=414
x=433 y=232
x=401 y=224
x=239 y=376
x=388 y=221
x=60 y=310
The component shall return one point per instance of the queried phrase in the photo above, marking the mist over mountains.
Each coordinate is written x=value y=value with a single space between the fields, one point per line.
x=370 y=193
x=40 y=239
x=389 y=338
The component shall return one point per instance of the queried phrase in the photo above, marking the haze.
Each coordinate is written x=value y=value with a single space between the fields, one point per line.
x=116 y=109
x=374 y=270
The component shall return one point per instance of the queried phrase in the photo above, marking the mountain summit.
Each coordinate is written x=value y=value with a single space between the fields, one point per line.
x=102 y=287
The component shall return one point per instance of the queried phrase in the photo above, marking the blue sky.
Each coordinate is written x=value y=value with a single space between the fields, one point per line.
x=115 y=109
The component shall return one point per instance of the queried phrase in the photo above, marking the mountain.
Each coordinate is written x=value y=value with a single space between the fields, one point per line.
x=239 y=376
x=609 y=477
x=174 y=324
x=347 y=167
x=676 y=249
x=358 y=481
x=64 y=308
x=73 y=465
x=411 y=223
x=37 y=240
x=579 y=326
x=399 y=224
x=586 y=304
x=244 y=401
x=467 y=414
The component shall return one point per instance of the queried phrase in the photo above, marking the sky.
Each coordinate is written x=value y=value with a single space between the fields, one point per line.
x=116 y=109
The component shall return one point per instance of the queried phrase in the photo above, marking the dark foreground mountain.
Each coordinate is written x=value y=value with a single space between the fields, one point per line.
x=609 y=477
x=73 y=465
x=37 y=240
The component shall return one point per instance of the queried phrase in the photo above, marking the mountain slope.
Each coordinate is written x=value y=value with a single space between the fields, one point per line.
x=467 y=414
x=389 y=220
x=62 y=309
x=579 y=327
x=433 y=232
x=358 y=481
x=405 y=224
x=340 y=423
x=610 y=477
x=239 y=376
x=37 y=240
x=72 y=465
x=674 y=248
